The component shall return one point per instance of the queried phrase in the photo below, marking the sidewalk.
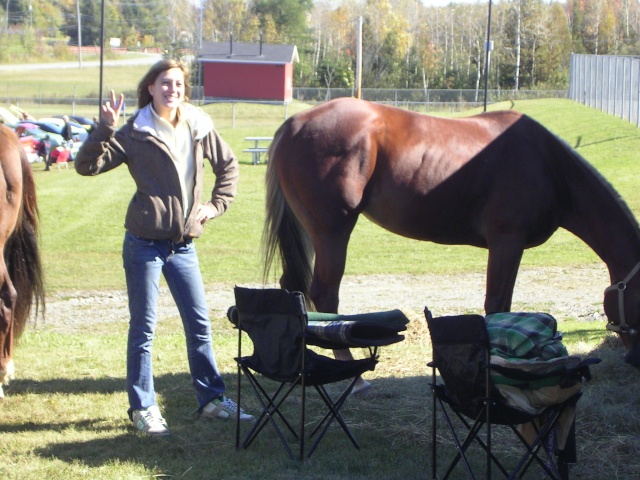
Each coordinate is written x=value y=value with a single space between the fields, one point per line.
x=149 y=59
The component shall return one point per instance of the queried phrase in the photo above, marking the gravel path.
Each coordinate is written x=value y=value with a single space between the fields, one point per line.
x=563 y=292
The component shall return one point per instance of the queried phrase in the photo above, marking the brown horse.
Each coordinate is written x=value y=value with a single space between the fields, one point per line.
x=21 y=280
x=497 y=180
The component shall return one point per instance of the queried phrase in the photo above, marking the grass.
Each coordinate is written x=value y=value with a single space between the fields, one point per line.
x=63 y=83
x=64 y=416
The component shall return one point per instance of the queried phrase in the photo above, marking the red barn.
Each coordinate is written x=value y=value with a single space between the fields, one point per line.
x=247 y=71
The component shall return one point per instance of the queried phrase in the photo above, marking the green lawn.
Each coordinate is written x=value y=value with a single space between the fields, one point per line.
x=64 y=415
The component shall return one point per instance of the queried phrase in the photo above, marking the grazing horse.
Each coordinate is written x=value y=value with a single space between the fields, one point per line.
x=21 y=280
x=497 y=180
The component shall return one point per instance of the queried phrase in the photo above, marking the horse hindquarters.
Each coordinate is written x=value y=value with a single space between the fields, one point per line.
x=21 y=276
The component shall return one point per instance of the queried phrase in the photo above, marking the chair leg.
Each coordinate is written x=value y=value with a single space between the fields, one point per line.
x=271 y=404
x=333 y=409
x=269 y=408
x=473 y=434
x=434 y=443
x=549 y=467
x=272 y=408
x=303 y=413
x=332 y=414
x=461 y=448
x=567 y=455
x=488 y=404
x=239 y=403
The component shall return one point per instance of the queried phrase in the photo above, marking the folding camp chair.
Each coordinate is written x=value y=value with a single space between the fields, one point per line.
x=276 y=322
x=471 y=384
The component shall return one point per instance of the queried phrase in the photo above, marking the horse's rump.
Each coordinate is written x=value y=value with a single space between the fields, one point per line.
x=412 y=173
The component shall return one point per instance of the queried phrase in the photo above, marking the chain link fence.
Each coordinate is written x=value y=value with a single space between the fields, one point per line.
x=427 y=99
x=65 y=93
x=68 y=100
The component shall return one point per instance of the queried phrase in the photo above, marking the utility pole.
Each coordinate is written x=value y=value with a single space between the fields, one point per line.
x=488 y=46
x=359 y=60
x=101 y=58
x=79 y=33
x=201 y=24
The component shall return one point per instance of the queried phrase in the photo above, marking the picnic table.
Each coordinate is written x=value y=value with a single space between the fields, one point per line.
x=256 y=150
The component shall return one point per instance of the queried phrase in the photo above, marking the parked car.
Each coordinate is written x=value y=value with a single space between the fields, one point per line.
x=79 y=132
x=55 y=128
x=49 y=139
x=84 y=122
x=29 y=145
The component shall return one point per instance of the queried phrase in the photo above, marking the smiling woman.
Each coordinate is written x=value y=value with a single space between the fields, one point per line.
x=164 y=145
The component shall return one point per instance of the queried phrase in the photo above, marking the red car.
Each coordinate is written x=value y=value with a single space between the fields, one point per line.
x=30 y=147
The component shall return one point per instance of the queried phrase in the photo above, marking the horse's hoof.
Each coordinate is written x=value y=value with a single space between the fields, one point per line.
x=364 y=390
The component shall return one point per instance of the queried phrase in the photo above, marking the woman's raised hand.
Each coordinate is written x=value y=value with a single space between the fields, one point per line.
x=111 y=109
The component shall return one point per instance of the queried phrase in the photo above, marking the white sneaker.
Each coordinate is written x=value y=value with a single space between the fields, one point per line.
x=149 y=420
x=224 y=408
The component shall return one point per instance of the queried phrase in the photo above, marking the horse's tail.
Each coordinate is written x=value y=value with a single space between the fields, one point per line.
x=22 y=254
x=283 y=235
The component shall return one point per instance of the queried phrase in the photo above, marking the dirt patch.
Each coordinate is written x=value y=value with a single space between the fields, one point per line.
x=574 y=293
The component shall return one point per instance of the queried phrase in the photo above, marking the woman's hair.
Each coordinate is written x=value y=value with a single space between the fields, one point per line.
x=144 y=97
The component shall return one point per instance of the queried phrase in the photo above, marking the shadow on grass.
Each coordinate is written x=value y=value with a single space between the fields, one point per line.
x=103 y=385
x=392 y=429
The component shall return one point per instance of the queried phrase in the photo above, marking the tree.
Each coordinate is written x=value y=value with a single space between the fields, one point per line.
x=226 y=17
x=91 y=17
x=289 y=16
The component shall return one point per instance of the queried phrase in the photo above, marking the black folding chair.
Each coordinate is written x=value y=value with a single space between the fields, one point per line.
x=467 y=390
x=276 y=322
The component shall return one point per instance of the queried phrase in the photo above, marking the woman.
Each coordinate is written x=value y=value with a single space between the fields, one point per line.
x=164 y=144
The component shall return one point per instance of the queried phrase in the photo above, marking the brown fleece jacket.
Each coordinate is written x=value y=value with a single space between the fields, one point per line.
x=156 y=210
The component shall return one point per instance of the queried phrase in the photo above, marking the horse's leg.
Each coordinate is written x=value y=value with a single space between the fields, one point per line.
x=8 y=297
x=331 y=258
x=505 y=253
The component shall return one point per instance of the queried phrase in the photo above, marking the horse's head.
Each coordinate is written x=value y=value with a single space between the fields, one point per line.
x=622 y=307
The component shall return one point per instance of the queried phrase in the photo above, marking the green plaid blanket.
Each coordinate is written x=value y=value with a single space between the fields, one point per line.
x=530 y=336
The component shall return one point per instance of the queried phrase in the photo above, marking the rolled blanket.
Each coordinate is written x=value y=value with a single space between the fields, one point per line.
x=525 y=335
x=331 y=330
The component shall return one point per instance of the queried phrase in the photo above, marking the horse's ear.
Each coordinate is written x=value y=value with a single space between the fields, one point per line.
x=427 y=313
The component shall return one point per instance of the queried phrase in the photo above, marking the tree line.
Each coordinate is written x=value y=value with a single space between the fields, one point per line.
x=406 y=43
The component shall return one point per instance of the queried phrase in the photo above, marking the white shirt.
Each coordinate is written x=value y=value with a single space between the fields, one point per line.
x=178 y=140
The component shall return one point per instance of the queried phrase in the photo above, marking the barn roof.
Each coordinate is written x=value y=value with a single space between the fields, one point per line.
x=242 y=52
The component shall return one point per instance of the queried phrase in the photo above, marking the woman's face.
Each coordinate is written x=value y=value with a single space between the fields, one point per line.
x=168 y=91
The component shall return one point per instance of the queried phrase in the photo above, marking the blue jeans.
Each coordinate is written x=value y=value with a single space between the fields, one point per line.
x=144 y=261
